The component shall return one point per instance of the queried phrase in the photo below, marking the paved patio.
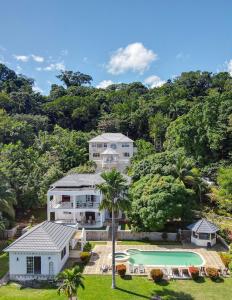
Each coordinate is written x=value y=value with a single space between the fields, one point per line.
x=102 y=255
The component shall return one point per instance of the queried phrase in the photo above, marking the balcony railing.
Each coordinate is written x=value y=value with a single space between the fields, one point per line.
x=69 y=205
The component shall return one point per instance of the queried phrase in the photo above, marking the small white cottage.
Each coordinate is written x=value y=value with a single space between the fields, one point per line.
x=41 y=252
x=203 y=233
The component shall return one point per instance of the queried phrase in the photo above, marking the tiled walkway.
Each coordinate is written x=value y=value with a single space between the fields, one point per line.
x=102 y=255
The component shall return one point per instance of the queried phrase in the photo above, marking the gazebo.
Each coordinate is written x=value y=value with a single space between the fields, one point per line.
x=203 y=233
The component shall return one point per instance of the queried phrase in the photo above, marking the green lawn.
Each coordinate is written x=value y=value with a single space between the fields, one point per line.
x=134 y=243
x=3 y=264
x=138 y=288
x=94 y=243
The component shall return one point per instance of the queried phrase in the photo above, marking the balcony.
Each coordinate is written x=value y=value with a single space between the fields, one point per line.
x=79 y=205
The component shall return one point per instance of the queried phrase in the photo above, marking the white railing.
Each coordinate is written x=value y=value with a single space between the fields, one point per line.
x=31 y=277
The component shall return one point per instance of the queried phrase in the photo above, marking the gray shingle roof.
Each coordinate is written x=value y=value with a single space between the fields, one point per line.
x=79 y=180
x=45 y=237
x=203 y=226
x=111 y=137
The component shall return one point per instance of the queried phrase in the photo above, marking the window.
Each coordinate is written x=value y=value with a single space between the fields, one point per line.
x=34 y=265
x=63 y=252
x=125 y=145
x=94 y=145
x=96 y=154
x=113 y=146
x=65 y=198
x=67 y=213
x=105 y=145
x=30 y=265
x=126 y=154
x=204 y=236
x=99 y=145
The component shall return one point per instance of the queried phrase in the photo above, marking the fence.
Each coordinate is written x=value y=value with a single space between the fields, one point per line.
x=97 y=235
x=153 y=236
x=8 y=233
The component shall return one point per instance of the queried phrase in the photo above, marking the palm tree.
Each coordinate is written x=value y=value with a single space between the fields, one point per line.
x=71 y=280
x=7 y=199
x=114 y=191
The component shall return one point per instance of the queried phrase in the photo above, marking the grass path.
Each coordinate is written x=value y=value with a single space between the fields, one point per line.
x=3 y=264
x=138 y=288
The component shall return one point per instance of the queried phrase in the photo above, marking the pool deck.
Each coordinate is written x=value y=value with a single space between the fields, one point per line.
x=102 y=256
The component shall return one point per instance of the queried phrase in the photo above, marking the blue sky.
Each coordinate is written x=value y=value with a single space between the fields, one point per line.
x=115 y=41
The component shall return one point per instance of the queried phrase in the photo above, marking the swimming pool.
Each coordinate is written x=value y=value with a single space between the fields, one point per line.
x=164 y=258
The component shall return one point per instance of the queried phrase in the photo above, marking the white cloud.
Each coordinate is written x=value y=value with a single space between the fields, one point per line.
x=23 y=58
x=103 y=84
x=154 y=81
x=18 y=69
x=37 y=58
x=229 y=67
x=53 y=67
x=134 y=57
x=37 y=89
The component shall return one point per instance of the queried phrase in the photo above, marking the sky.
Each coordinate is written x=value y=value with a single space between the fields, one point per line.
x=149 y=41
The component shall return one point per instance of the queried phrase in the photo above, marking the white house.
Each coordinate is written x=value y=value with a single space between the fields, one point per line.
x=111 y=150
x=75 y=199
x=41 y=252
x=203 y=233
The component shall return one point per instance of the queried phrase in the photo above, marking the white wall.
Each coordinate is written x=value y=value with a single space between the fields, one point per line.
x=19 y=267
x=119 y=149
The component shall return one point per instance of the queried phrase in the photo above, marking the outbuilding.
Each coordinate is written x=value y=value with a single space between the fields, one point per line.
x=203 y=233
x=41 y=252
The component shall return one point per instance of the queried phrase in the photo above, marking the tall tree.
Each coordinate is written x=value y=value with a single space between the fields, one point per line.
x=71 y=78
x=114 y=190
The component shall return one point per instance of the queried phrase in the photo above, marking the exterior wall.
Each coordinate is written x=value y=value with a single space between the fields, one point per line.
x=154 y=236
x=120 y=150
x=18 y=268
x=69 y=212
x=202 y=243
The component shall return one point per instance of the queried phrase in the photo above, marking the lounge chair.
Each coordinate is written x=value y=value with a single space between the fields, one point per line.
x=202 y=272
x=176 y=273
x=131 y=268
x=165 y=272
x=141 y=268
x=185 y=273
x=170 y=273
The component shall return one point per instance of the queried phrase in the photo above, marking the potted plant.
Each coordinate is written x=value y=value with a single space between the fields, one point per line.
x=156 y=275
x=121 y=269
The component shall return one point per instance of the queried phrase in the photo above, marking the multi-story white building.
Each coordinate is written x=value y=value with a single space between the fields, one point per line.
x=75 y=199
x=111 y=150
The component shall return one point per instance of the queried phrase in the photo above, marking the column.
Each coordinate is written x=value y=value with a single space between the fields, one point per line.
x=74 y=209
x=48 y=207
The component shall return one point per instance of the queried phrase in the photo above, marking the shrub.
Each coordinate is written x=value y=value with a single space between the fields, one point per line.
x=212 y=273
x=226 y=258
x=146 y=239
x=194 y=272
x=164 y=236
x=121 y=269
x=85 y=256
x=87 y=247
x=157 y=275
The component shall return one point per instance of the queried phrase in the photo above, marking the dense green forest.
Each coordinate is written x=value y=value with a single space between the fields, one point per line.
x=182 y=131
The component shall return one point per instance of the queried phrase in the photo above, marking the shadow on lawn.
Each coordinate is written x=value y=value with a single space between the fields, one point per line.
x=132 y=293
x=169 y=294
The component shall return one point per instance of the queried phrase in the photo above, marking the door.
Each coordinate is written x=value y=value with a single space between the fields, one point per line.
x=51 y=268
x=37 y=264
x=90 y=215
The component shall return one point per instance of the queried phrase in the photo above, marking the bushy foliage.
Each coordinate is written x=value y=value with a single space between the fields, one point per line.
x=157 y=199
x=156 y=275
x=194 y=272
x=85 y=257
x=121 y=270
x=213 y=273
x=87 y=247
x=226 y=258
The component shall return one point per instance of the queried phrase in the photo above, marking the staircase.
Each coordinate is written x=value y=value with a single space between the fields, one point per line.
x=19 y=230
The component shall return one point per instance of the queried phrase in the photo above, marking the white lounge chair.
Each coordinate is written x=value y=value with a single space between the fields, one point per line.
x=131 y=268
x=141 y=268
x=176 y=273
x=184 y=272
